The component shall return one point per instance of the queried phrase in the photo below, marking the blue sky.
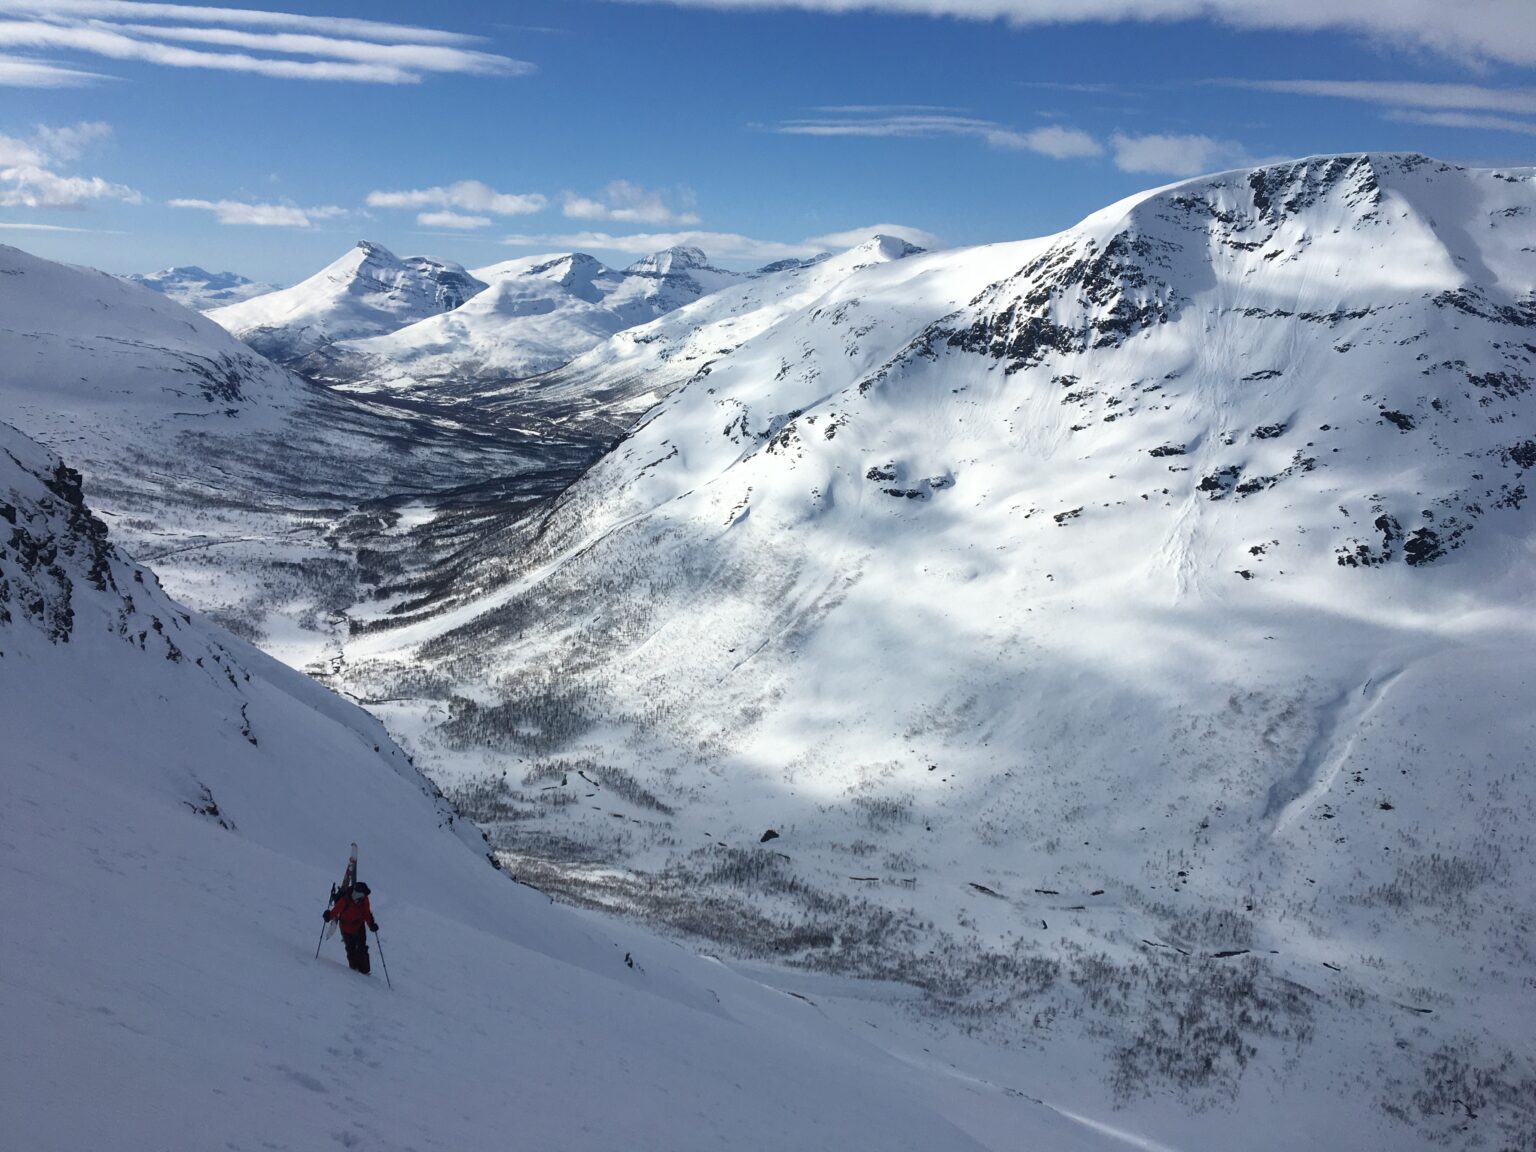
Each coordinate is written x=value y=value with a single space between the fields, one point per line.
x=138 y=135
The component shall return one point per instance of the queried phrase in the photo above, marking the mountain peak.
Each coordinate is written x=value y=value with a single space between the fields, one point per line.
x=670 y=261
x=883 y=247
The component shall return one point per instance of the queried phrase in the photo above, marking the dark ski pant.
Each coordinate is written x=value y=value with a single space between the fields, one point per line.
x=357 y=950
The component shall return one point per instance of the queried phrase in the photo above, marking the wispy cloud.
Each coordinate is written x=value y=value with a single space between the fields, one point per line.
x=262 y=215
x=1470 y=106
x=21 y=72
x=274 y=44
x=1477 y=30
x=1175 y=155
x=237 y=17
x=1405 y=94
x=1053 y=140
x=1473 y=120
x=628 y=203
x=467 y=195
x=28 y=176
x=452 y=220
x=27 y=227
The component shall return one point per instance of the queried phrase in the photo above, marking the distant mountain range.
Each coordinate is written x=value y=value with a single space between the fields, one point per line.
x=201 y=290
x=374 y=322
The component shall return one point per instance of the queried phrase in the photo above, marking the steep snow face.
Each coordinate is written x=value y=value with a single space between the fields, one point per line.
x=1152 y=591
x=201 y=290
x=176 y=807
x=368 y=292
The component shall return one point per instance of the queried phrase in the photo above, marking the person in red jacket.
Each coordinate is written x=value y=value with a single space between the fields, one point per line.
x=352 y=912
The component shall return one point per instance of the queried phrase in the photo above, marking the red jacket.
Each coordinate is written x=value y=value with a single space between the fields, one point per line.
x=354 y=915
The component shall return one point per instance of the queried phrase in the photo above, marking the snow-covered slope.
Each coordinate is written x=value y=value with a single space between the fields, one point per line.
x=201 y=290
x=173 y=808
x=615 y=382
x=367 y=292
x=84 y=352
x=537 y=315
x=1127 y=633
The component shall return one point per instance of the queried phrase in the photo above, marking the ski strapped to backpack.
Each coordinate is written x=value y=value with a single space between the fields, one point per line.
x=347 y=879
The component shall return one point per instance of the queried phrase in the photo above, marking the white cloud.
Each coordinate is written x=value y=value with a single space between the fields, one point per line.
x=328 y=48
x=1062 y=143
x=28 y=179
x=1053 y=140
x=69 y=142
x=30 y=186
x=1174 y=155
x=629 y=203
x=247 y=17
x=1403 y=94
x=19 y=72
x=452 y=220
x=1478 y=30
x=262 y=215
x=18 y=226
x=469 y=195
x=14 y=151
x=1473 y=120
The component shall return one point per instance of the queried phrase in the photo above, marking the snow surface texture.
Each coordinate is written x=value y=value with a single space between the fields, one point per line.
x=173 y=809
x=1126 y=633
x=367 y=292
x=201 y=290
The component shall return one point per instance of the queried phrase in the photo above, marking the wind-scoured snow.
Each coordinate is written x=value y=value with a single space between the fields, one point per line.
x=173 y=810
x=1127 y=635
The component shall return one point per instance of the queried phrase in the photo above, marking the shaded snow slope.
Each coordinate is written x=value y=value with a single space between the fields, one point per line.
x=199 y=289
x=367 y=292
x=1128 y=634
x=173 y=808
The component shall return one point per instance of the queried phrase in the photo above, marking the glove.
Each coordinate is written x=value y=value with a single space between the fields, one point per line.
x=374 y=925
x=326 y=915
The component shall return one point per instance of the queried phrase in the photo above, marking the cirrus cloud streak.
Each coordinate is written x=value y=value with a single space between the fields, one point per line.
x=1478 y=30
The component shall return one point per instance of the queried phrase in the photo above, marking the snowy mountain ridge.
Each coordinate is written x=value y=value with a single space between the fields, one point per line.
x=367 y=292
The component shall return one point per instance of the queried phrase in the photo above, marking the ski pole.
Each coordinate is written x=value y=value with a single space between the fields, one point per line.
x=325 y=925
x=384 y=963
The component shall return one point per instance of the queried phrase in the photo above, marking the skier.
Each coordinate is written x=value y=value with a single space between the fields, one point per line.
x=353 y=913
